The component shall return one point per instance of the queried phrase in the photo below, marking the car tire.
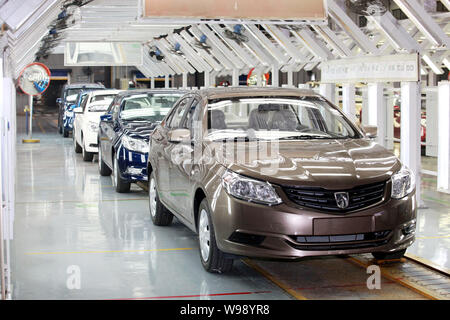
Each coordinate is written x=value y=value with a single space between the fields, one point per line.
x=121 y=186
x=76 y=146
x=389 y=255
x=87 y=156
x=213 y=260
x=103 y=169
x=160 y=215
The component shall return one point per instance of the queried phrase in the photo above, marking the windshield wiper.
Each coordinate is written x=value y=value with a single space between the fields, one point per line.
x=137 y=119
x=236 y=139
x=305 y=137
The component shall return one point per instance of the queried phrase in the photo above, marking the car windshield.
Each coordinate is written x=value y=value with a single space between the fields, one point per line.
x=76 y=91
x=100 y=106
x=103 y=97
x=148 y=107
x=276 y=118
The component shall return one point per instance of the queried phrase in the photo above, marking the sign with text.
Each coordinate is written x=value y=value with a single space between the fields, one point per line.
x=236 y=9
x=402 y=67
x=34 y=79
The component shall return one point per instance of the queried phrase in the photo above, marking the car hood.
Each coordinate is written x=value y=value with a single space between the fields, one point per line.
x=138 y=129
x=331 y=164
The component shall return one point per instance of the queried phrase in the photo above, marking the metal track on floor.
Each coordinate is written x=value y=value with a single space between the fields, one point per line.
x=425 y=280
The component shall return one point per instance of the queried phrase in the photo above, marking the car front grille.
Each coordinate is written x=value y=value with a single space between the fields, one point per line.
x=340 y=242
x=324 y=200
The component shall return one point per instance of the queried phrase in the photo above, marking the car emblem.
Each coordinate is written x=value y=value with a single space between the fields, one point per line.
x=342 y=199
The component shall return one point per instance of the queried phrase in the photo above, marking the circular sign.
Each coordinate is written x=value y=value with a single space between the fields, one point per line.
x=34 y=79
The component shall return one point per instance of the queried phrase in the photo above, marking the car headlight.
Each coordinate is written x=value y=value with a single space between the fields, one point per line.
x=93 y=126
x=248 y=189
x=135 y=144
x=403 y=183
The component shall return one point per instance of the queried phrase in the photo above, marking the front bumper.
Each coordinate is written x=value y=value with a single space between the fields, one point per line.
x=287 y=231
x=132 y=165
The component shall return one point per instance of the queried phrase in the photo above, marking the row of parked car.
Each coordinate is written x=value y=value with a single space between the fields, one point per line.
x=260 y=172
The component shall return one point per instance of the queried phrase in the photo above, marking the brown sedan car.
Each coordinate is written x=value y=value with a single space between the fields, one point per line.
x=277 y=173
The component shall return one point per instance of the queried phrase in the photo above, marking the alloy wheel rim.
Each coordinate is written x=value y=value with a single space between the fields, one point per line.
x=204 y=235
x=152 y=197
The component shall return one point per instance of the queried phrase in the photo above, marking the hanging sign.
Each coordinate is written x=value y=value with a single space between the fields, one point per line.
x=34 y=79
x=392 y=68
x=236 y=9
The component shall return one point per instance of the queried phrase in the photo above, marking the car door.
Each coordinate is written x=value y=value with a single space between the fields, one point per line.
x=79 y=118
x=107 y=131
x=183 y=163
x=173 y=195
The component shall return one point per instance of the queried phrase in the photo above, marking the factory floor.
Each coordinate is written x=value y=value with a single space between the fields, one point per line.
x=76 y=238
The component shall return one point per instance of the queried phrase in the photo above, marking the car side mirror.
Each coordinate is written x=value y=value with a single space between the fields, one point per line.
x=59 y=100
x=371 y=131
x=179 y=135
x=78 y=110
x=106 y=117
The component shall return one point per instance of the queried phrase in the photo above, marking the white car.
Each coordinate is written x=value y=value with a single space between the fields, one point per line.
x=87 y=119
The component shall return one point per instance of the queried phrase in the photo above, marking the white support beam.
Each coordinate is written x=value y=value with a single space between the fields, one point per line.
x=284 y=41
x=347 y=24
x=290 y=78
x=333 y=40
x=275 y=76
x=315 y=46
x=235 y=78
x=167 y=81
x=443 y=177
x=348 y=100
x=328 y=90
x=432 y=136
x=376 y=110
x=185 y=80
x=394 y=32
x=424 y=22
x=389 y=104
x=152 y=83
x=410 y=133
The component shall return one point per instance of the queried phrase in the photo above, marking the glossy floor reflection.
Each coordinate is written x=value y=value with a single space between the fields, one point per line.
x=68 y=218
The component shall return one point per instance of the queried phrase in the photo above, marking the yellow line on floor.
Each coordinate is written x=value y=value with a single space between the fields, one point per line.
x=107 y=251
x=414 y=287
x=270 y=277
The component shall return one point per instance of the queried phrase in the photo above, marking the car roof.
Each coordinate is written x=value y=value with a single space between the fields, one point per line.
x=161 y=90
x=104 y=92
x=230 y=92
x=83 y=85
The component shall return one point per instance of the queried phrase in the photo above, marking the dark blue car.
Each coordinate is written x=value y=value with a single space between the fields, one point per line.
x=124 y=133
x=69 y=116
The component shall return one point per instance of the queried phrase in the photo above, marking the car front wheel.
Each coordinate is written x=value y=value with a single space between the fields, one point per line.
x=160 y=215
x=213 y=260
x=102 y=167
x=87 y=156
x=121 y=186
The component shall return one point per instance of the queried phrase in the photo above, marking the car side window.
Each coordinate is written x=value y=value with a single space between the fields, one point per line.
x=175 y=118
x=84 y=102
x=188 y=120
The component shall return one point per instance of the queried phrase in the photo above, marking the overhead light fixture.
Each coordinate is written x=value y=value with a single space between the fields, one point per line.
x=436 y=68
